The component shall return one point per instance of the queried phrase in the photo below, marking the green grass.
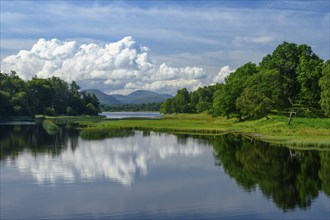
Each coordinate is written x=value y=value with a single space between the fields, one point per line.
x=71 y=120
x=302 y=132
x=50 y=126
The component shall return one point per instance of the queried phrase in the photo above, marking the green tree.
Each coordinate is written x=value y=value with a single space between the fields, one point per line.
x=91 y=103
x=60 y=96
x=297 y=64
x=20 y=103
x=309 y=72
x=166 y=107
x=6 y=107
x=224 y=102
x=181 y=101
x=13 y=94
x=285 y=59
x=40 y=94
x=324 y=83
x=263 y=92
x=74 y=88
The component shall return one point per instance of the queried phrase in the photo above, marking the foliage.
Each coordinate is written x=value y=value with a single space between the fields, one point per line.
x=325 y=88
x=193 y=102
x=288 y=80
x=225 y=100
x=51 y=96
x=309 y=71
x=263 y=92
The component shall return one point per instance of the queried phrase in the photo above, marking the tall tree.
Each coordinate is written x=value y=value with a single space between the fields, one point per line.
x=181 y=101
x=263 y=92
x=60 y=96
x=309 y=72
x=224 y=102
x=40 y=94
x=325 y=88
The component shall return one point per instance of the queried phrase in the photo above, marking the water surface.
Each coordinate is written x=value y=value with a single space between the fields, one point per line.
x=120 y=115
x=148 y=175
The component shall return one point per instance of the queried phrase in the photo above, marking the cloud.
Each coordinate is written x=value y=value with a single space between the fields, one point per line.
x=224 y=72
x=256 y=40
x=112 y=67
x=115 y=159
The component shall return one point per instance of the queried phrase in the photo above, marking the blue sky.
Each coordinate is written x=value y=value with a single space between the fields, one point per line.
x=203 y=34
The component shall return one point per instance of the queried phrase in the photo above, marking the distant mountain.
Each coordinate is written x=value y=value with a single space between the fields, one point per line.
x=142 y=97
x=137 y=97
x=103 y=98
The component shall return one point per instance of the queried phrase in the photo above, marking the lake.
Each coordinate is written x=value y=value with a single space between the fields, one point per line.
x=149 y=175
x=120 y=115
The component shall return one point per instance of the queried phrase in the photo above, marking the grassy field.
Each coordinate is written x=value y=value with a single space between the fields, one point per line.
x=303 y=132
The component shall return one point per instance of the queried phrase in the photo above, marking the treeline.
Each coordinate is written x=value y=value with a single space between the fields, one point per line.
x=51 y=96
x=131 y=107
x=291 y=79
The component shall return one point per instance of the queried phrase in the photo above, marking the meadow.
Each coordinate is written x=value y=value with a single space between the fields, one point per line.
x=302 y=132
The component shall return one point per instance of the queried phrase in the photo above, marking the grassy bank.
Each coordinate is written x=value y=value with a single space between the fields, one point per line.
x=73 y=120
x=303 y=132
x=50 y=126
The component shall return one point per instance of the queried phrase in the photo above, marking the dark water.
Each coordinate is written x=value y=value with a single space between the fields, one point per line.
x=118 y=115
x=147 y=175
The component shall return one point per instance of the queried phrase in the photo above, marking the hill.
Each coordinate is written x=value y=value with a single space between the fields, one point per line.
x=142 y=97
x=137 y=97
x=103 y=98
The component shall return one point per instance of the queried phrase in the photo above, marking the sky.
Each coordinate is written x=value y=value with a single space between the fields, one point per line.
x=161 y=46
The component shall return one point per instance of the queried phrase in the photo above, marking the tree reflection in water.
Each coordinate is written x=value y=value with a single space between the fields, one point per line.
x=291 y=178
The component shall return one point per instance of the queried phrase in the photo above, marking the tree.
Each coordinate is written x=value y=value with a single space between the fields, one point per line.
x=20 y=103
x=298 y=66
x=166 y=107
x=180 y=102
x=74 y=88
x=40 y=94
x=91 y=103
x=224 y=102
x=285 y=59
x=6 y=108
x=263 y=92
x=309 y=72
x=60 y=96
x=324 y=83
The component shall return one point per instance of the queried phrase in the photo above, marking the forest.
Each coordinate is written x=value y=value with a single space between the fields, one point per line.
x=292 y=80
x=51 y=96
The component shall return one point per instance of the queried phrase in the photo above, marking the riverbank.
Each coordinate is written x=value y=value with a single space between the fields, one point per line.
x=303 y=132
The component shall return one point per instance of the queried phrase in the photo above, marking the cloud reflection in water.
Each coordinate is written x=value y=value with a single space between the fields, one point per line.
x=119 y=159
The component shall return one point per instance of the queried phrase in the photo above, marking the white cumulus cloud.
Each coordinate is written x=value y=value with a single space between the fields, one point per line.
x=114 y=67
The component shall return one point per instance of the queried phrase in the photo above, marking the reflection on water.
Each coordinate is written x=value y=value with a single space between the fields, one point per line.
x=289 y=178
x=117 y=115
x=114 y=159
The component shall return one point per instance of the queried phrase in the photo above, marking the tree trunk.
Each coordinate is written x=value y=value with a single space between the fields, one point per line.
x=292 y=115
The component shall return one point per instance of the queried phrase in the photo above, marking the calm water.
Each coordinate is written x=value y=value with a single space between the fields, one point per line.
x=147 y=175
x=118 y=115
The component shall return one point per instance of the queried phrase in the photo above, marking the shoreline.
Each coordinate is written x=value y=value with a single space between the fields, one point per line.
x=302 y=133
